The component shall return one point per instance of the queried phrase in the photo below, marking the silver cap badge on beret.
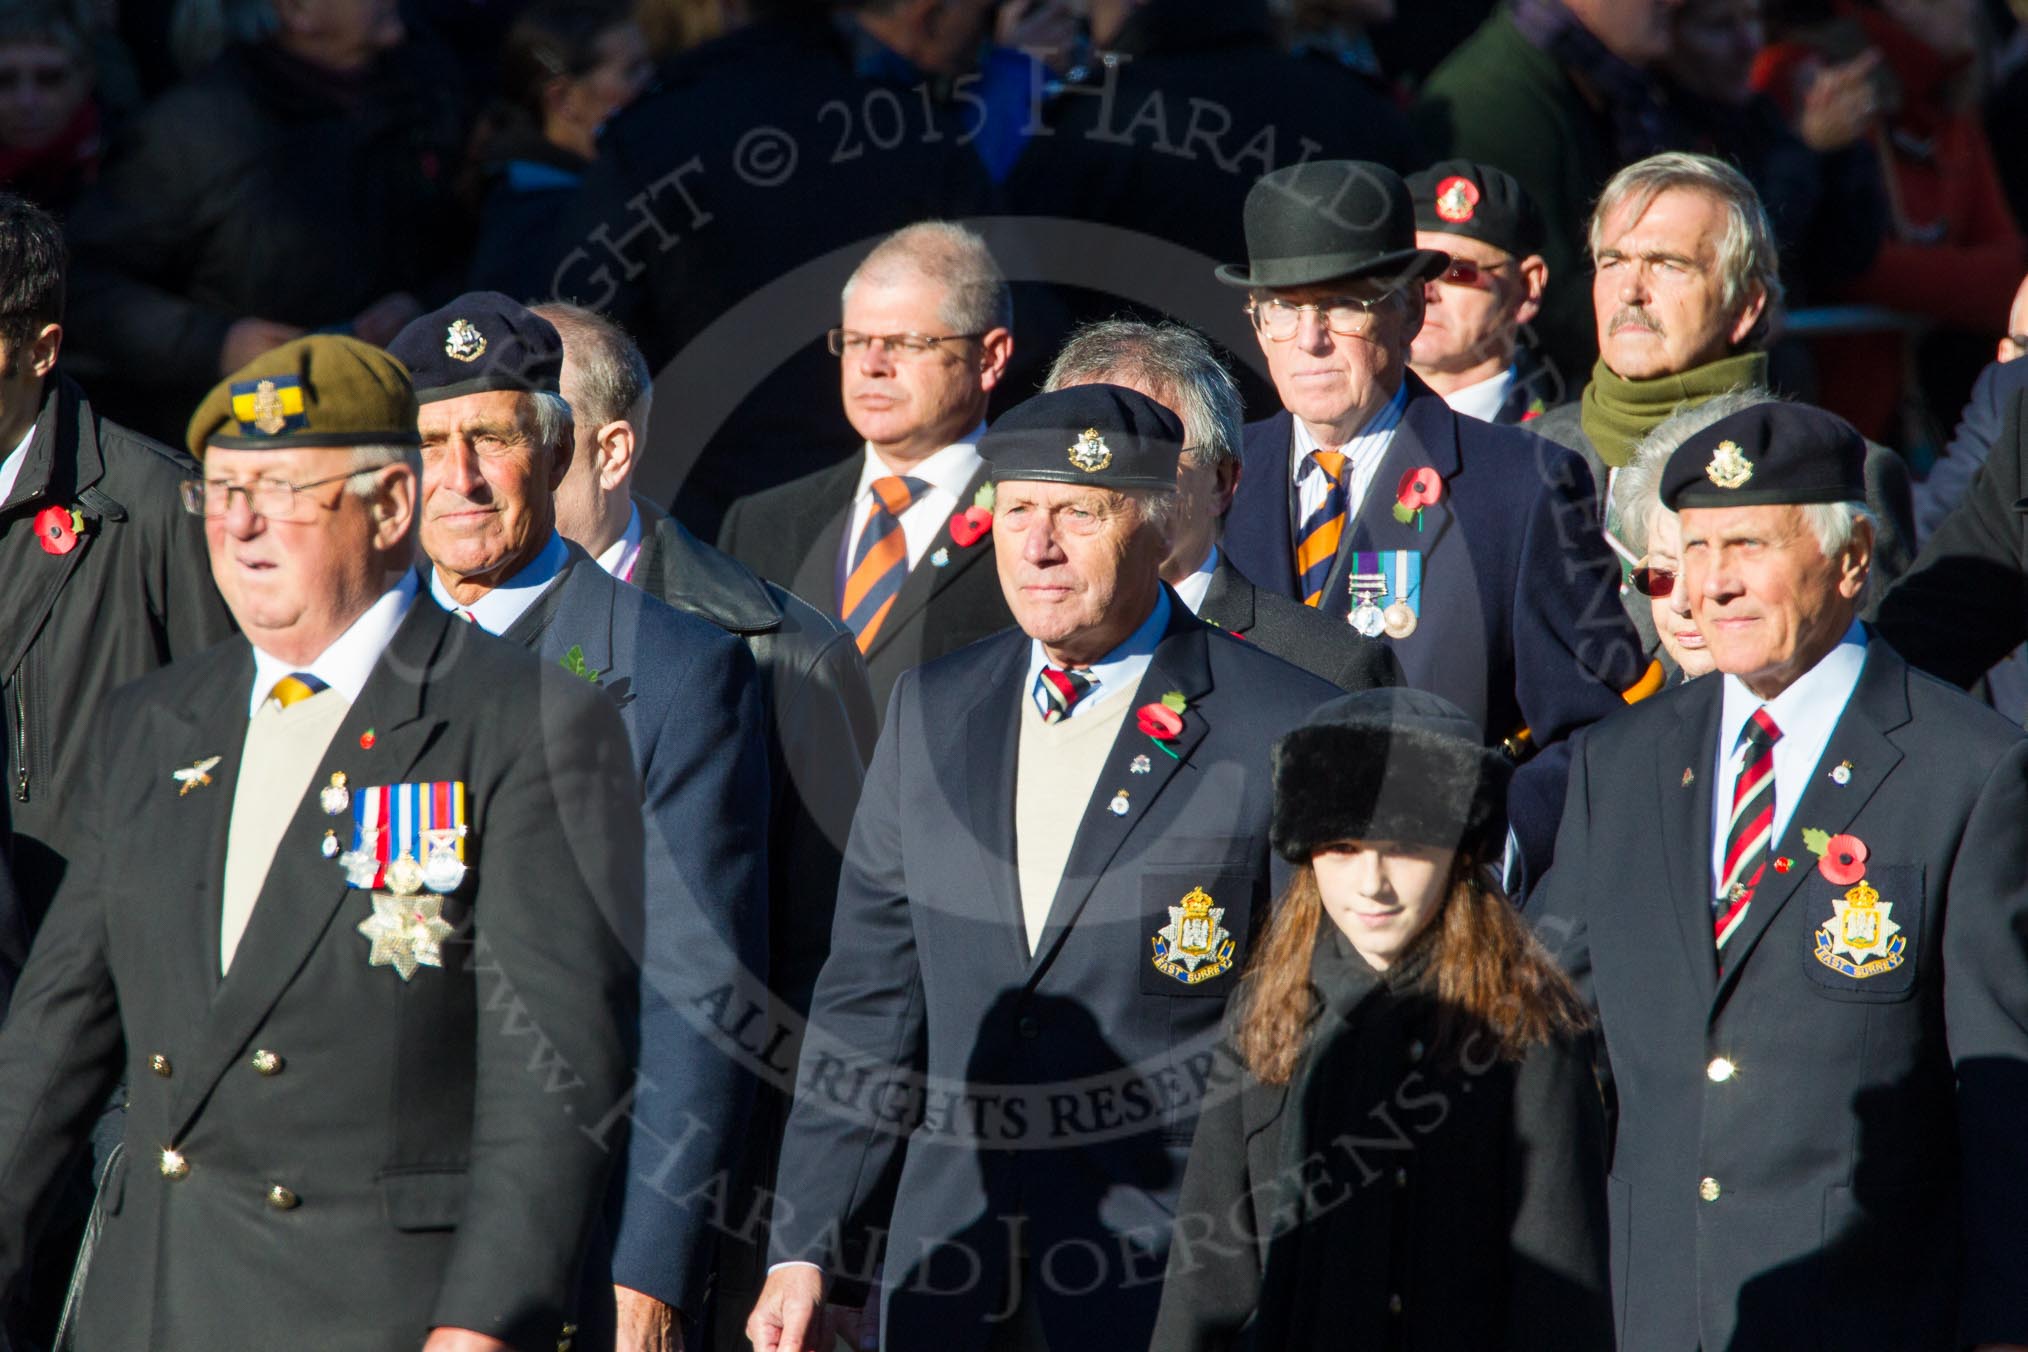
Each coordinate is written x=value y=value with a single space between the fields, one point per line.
x=463 y=341
x=1729 y=467
x=1090 y=452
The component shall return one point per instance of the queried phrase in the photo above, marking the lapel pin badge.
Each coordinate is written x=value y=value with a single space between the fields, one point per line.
x=195 y=775
x=1688 y=776
x=367 y=739
x=1140 y=765
x=1842 y=775
x=334 y=797
x=1118 y=807
x=941 y=559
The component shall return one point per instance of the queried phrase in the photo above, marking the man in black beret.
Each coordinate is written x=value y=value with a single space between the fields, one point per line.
x=1056 y=870
x=1469 y=349
x=497 y=439
x=1794 y=893
x=1464 y=544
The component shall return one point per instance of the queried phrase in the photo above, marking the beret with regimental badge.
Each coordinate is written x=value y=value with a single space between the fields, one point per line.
x=481 y=341
x=323 y=390
x=1771 y=454
x=1105 y=435
x=1458 y=197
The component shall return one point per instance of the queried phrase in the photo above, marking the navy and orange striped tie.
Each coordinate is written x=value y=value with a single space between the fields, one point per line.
x=295 y=688
x=1751 y=832
x=1317 y=541
x=1058 y=689
x=880 y=564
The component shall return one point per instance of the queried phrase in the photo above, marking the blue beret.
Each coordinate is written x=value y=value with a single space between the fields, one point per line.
x=1772 y=453
x=480 y=341
x=1087 y=434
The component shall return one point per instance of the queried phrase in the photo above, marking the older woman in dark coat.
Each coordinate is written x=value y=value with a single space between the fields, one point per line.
x=1414 y=1156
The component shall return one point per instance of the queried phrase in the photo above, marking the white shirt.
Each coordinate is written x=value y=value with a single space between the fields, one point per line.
x=1195 y=587
x=496 y=611
x=10 y=468
x=1482 y=399
x=946 y=473
x=345 y=665
x=1121 y=669
x=622 y=554
x=1807 y=713
x=1363 y=453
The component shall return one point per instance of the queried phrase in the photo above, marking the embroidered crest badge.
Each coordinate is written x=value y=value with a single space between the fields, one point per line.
x=1729 y=467
x=1194 y=947
x=1090 y=452
x=1861 y=939
x=463 y=341
x=1456 y=197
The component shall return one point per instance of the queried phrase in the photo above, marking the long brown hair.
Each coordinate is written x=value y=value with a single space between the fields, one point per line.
x=1487 y=970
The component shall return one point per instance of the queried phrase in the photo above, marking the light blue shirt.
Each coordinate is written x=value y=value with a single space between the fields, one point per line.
x=1119 y=670
x=1807 y=713
x=496 y=611
x=345 y=665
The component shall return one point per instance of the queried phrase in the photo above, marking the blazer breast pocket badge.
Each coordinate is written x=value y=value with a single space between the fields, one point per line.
x=1203 y=939
x=408 y=848
x=1861 y=939
x=1867 y=947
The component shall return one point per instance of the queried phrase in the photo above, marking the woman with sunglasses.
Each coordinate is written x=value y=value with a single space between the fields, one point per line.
x=1413 y=1155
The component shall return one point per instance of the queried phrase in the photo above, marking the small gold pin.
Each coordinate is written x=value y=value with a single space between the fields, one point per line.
x=1688 y=776
x=195 y=776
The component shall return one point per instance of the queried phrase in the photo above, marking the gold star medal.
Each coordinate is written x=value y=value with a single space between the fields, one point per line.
x=406 y=932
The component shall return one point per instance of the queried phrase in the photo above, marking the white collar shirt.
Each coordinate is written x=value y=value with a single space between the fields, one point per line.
x=1363 y=453
x=1482 y=399
x=1807 y=713
x=350 y=658
x=945 y=474
x=622 y=556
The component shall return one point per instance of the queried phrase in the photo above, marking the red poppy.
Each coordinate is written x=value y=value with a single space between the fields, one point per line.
x=1783 y=864
x=1158 y=721
x=970 y=526
x=366 y=740
x=1421 y=487
x=1844 y=860
x=56 y=530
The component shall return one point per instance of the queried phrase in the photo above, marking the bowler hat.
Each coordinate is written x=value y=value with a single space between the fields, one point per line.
x=1327 y=221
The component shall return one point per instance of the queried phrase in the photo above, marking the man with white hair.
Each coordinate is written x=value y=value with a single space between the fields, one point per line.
x=1687 y=276
x=1175 y=367
x=1793 y=892
x=890 y=539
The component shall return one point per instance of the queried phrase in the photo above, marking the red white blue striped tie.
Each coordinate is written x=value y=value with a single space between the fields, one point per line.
x=1058 y=689
x=1750 y=834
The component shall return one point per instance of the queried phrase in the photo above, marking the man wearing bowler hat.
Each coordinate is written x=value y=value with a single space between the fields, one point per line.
x=1793 y=891
x=355 y=927
x=1055 y=874
x=1473 y=549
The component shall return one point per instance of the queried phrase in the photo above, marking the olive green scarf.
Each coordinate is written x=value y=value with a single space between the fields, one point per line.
x=1617 y=413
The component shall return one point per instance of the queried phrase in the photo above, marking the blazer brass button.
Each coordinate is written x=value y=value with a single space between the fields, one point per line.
x=1708 y=1189
x=159 y=1064
x=173 y=1166
x=266 y=1062
x=281 y=1199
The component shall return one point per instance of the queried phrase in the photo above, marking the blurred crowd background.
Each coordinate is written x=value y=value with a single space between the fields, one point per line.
x=234 y=173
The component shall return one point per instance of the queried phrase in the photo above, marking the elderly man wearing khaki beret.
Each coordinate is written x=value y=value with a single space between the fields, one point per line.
x=356 y=872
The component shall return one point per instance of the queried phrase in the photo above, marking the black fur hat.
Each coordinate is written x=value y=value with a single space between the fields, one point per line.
x=1388 y=765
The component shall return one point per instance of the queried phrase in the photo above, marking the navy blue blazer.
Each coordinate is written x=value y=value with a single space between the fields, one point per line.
x=1864 y=1133
x=1521 y=623
x=1062 y=1090
x=691 y=703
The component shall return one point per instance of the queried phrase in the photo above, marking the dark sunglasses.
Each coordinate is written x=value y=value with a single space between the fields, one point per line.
x=1464 y=272
x=1654 y=583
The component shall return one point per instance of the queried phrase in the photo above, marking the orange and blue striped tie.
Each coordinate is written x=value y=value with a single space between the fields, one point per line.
x=880 y=564
x=295 y=688
x=1317 y=541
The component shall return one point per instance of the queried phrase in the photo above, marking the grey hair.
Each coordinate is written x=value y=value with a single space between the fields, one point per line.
x=976 y=297
x=613 y=380
x=554 y=428
x=1169 y=359
x=1637 y=489
x=1747 y=254
x=379 y=456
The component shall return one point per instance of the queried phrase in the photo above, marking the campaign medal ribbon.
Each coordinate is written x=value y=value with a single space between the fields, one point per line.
x=408 y=837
